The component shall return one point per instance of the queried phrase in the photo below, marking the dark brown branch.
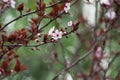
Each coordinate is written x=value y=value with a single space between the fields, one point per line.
x=29 y=13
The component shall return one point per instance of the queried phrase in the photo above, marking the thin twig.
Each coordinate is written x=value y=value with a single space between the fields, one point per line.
x=26 y=14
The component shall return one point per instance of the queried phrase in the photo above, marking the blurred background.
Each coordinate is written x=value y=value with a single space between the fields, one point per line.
x=42 y=64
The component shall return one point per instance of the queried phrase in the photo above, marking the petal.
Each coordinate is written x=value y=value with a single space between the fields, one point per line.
x=12 y=3
x=5 y=0
x=111 y=14
x=68 y=76
x=51 y=31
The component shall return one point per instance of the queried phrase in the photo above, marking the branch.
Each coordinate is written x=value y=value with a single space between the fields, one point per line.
x=26 y=14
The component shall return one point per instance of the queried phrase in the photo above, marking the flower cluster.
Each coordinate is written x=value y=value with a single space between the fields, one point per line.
x=11 y=2
x=56 y=34
x=67 y=7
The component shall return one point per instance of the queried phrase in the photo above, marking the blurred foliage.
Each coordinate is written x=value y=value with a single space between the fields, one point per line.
x=41 y=64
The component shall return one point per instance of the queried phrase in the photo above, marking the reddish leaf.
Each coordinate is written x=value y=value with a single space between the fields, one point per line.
x=35 y=20
x=101 y=32
x=4 y=65
x=16 y=56
x=17 y=66
x=40 y=6
x=55 y=55
x=61 y=7
x=20 y=7
x=10 y=53
x=23 y=67
x=4 y=37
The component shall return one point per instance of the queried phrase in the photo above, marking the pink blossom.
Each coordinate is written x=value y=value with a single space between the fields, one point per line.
x=111 y=14
x=55 y=34
x=11 y=2
x=104 y=63
x=67 y=7
x=5 y=0
x=105 y=2
x=70 y=23
x=98 y=52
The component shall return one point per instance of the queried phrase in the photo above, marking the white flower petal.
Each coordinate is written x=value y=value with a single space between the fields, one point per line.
x=104 y=64
x=70 y=23
x=68 y=76
x=88 y=12
x=55 y=34
x=51 y=31
x=12 y=3
x=67 y=7
x=111 y=14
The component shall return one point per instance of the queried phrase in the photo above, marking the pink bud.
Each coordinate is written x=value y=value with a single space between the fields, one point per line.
x=5 y=0
x=70 y=23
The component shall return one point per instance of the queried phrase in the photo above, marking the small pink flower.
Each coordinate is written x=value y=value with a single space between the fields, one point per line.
x=55 y=34
x=67 y=7
x=70 y=23
x=111 y=14
x=5 y=0
x=105 y=2
x=98 y=52
x=12 y=3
